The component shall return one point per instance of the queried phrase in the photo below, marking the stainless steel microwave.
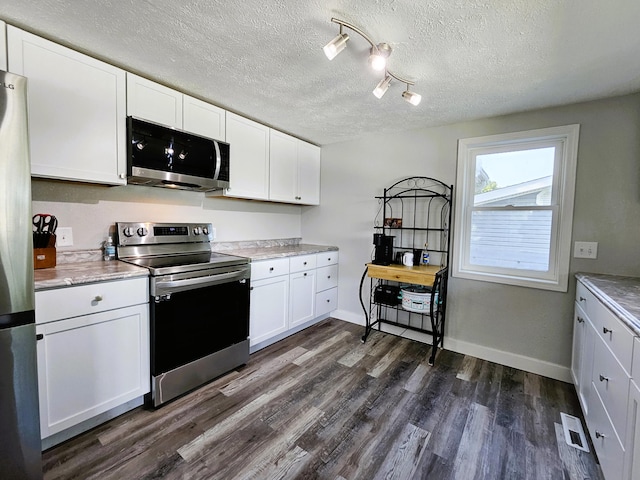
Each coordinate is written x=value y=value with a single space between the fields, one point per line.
x=159 y=156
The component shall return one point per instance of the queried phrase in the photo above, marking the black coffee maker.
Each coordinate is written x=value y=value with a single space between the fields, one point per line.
x=384 y=249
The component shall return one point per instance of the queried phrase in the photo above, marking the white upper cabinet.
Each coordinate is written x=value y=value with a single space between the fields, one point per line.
x=283 y=167
x=294 y=170
x=308 y=173
x=203 y=118
x=154 y=102
x=77 y=111
x=159 y=104
x=3 y=45
x=249 y=153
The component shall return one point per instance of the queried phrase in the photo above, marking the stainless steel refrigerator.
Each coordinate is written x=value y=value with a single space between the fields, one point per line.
x=20 y=445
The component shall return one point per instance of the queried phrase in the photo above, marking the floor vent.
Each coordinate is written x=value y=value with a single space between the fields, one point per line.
x=573 y=432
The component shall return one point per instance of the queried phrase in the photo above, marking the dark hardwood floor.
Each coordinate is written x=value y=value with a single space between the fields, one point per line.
x=321 y=404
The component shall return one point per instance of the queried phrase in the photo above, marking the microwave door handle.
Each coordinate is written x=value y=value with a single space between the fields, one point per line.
x=218 y=160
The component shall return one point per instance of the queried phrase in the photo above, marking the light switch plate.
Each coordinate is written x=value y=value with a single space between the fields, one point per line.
x=64 y=237
x=585 y=250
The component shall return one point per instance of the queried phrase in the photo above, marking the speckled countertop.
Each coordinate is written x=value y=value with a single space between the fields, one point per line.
x=619 y=294
x=264 y=253
x=72 y=273
x=69 y=274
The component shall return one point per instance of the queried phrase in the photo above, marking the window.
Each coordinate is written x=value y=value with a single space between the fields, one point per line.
x=514 y=207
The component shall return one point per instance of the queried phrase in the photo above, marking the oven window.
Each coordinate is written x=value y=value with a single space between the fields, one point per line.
x=196 y=323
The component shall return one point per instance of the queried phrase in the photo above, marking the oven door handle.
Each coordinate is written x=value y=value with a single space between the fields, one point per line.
x=190 y=283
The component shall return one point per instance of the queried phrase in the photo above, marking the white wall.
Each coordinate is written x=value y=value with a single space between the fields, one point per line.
x=92 y=210
x=522 y=327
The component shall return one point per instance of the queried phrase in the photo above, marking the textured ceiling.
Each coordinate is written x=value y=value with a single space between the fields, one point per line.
x=263 y=59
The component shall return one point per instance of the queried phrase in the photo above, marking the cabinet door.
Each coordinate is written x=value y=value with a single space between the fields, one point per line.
x=586 y=365
x=308 y=173
x=249 y=175
x=76 y=112
x=3 y=45
x=632 y=456
x=203 y=118
x=269 y=310
x=577 y=351
x=154 y=102
x=283 y=167
x=88 y=365
x=302 y=297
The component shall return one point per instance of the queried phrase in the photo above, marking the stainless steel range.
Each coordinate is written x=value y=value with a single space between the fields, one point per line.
x=199 y=304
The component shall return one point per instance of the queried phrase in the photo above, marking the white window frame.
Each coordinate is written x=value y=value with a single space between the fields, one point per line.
x=562 y=198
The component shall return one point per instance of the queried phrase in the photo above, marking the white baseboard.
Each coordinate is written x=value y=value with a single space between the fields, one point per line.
x=514 y=360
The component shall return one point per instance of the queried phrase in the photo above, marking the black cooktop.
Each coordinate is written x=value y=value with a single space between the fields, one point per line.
x=180 y=263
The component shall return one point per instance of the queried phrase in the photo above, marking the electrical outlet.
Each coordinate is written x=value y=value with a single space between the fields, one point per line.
x=64 y=237
x=585 y=250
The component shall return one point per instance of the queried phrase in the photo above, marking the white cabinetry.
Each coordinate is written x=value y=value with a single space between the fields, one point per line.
x=289 y=294
x=302 y=289
x=327 y=283
x=249 y=144
x=269 y=310
x=157 y=103
x=632 y=460
x=154 y=102
x=76 y=111
x=93 y=350
x=3 y=45
x=603 y=364
x=294 y=170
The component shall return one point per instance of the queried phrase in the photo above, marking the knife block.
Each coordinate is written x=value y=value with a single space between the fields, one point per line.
x=45 y=257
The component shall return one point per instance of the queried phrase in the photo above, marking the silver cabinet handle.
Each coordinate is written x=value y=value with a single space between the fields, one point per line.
x=97 y=298
x=582 y=299
x=606 y=330
x=600 y=435
x=271 y=269
x=580 y=320
x=603 y=378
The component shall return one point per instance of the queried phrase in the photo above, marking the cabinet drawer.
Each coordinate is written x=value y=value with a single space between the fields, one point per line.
x=617 y=336
x=326 y=301
x=269 y=268
x=585 y=298
x=97 y=297
x=612 y=383
x=606 y=443
x=302 y=262
x=327 y=278
x=327 y=258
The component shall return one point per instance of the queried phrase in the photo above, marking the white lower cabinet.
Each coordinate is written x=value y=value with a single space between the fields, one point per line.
x=95 y=361
x=285 y=295
x=269 y=312
x=605 y=368
x=302 y=290
x=632 y=463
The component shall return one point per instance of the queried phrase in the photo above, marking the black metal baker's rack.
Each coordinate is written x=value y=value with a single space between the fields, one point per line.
x=417 y=212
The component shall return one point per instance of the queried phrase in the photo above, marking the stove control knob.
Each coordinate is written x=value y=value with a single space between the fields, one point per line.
x=197 y=230
x=142 y=232
x=205 y=230
x=128 y=232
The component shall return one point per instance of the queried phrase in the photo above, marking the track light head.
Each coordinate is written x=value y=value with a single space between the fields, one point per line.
x=378 y=56
x=335 y=46
x=411 y=97
x=382 y=87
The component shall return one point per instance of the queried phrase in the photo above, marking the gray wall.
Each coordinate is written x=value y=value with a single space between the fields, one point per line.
x=518 y=326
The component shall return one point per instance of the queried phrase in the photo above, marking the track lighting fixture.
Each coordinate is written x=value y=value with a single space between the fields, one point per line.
x=382 y=87
x=411 y=97
x=335 y=46
x=378 y=55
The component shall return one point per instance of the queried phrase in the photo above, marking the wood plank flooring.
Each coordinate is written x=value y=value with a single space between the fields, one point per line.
x=322 y=405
